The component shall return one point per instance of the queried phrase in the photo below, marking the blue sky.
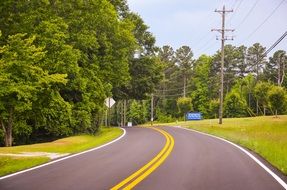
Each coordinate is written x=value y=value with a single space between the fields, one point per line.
x=189 y=22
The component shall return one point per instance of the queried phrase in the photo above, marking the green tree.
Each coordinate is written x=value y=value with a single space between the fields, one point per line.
x=201 y=92
x=21 y=80
x=261 y=94
x=138 y=112
x=276 y=67
x=234 y=105
x=183 y=57
x=184 y=105
x=278 y=99
x=214 y=108
x=256 y=59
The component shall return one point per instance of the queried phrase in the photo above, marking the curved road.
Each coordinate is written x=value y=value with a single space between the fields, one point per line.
x=196 y=161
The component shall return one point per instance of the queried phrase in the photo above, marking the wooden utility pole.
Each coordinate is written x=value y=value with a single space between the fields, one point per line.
x=223 y=38
x=125 y=113
x=151 y=110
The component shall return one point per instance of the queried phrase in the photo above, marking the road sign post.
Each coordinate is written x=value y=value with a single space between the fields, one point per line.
x=109 y=102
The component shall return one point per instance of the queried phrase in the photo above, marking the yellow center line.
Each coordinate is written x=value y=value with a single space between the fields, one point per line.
x=152 y=165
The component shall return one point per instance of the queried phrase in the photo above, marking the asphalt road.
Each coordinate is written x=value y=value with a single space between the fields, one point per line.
x=195 y=162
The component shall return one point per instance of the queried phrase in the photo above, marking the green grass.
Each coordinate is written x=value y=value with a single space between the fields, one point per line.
x=66 y=145
x=267 y=136
x=13 y=164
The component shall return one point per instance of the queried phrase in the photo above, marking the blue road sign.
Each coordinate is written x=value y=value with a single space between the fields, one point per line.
x=193 y=116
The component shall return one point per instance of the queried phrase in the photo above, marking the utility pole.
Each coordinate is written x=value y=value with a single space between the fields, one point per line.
x=223 y=38
x=151 y=110
x=125 y=113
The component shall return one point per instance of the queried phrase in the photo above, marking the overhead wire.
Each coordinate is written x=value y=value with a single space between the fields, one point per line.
x=264 y=21
x=247 y=15
x=202 y=38
x=235 y=10
x=275 y=44
x=264 y=54
x=173 y=89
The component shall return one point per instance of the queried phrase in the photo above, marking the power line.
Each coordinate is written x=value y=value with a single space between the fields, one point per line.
x=170 y=95
x=275 y=44
x=235 y=10
x=203 y=36
x=208 y=42
x=264 y=21
x=173 y=89
x=210 y=46
x=247 y=15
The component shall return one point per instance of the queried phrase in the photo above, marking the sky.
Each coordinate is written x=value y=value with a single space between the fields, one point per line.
x=189 y=22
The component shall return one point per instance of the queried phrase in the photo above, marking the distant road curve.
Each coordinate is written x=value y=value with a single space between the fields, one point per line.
x=194 y=161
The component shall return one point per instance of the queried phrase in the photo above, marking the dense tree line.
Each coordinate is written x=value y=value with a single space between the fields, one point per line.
x=59 y=60
x=253 y=84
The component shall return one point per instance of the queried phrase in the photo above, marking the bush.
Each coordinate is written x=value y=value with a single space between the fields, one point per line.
x=277 y=99
x=164 y=118
x=137 y=112
x=234 y=105
x=184 y=105
x=214 y=108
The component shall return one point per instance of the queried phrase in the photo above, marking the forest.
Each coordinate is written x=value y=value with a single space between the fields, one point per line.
x=60 y=60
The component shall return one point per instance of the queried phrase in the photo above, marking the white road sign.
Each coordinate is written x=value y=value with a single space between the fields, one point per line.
x=110 y=102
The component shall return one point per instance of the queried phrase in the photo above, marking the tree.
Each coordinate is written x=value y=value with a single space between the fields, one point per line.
x=121 y=6
x=234 y=105
x=201 y=93
x=249 y=84
x=234 y=65
x=138 y=112
x=184 y=105
x=88 y=41
x=261 y=94
x=145 y=40
x=241 y=61
x=256 y=59
x=145 y=73
x=278 y=99
x=276 y=67
x=183 y=57
x=21 y=80
x=214 y=108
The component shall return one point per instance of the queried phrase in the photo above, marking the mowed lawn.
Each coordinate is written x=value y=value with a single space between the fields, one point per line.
x=10 y=164
x=266 y=135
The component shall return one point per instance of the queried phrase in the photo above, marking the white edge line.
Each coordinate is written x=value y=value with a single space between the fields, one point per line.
x=64 y=158
x=276 y=177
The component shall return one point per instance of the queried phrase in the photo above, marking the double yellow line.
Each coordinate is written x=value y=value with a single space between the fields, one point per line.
x=147 y=169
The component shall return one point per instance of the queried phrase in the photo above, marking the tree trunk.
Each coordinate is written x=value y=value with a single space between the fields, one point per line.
x=184 y=85
x=279 y=73
x=8 y=128
x=257 y=108
x=249 y=99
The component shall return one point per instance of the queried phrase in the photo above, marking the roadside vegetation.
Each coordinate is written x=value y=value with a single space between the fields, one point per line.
x=74 y=144
x=60 y=60
x=263 y=135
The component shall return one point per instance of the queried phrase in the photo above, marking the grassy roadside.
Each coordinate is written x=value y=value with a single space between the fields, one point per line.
x=265 y=135
x=9 y=164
